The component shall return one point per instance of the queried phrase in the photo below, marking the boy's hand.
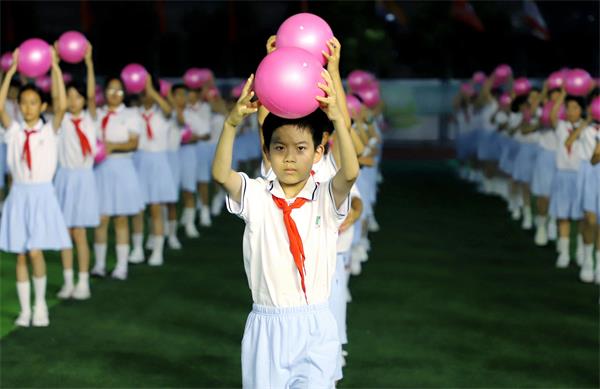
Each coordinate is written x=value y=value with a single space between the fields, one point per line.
x=244 y=106
x=88 y=54
x=348 y=222
x=13 y=66
x=271 y=44
x=54 y=55
x=329 y=102
x=333 y=57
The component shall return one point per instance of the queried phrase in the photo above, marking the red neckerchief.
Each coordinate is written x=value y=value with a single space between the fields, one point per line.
x=83 y=141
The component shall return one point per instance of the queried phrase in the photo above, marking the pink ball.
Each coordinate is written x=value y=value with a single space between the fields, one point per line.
x=578 y=82
x=44 y=83
x=595 y=108
x=370 y=96
x=547 y=109
x=556 y=80
x=467 y=89
x=100 y=152
x=359 y=79
x=195 y=78
x=286 y=82
x=99 y=96
x=6 y=61
x=502 y=73
x=353 y=105
x=134 y=78
x=213 y=93
x=35 y=58
x=305 y=31
x=236 y=91
x=521 y=86
x=505 y=100
x=479 y=77
x=72 y=46
x=186 y=134
x=165 y=87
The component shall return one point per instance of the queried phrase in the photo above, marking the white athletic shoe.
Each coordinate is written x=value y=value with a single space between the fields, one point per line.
x=205 y=219
x=348 y=295
x=541 y=238
x=98 y=272
x=516 y=213
x=40 y=316
x=355 y=267
x=66 y=292
x=136 y=256
x=216 y=206
x=373 y=225
x=119 y=274
x=156 y=259
x=24 y=319
x=527 y=223
x=586 y=274
x=552 y=230
x=191 y=231
x=174 y=243
x=579 y=255
x=563 y=261
x=82 y=291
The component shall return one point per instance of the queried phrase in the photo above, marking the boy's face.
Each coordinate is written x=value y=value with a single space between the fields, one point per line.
x=180 y=97
x=75 y=101
x=31 y=105
x=573 y=111
x=292 y=154
x=193 y=97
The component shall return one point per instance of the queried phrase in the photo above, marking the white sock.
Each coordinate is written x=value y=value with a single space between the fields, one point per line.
x=588 y=253
x=100 y=255
x=138 y=241
x=68 y=276
x=39 y=287
x=189 y=215
x=542 y=221
x=84 y=278
x=563 y=246
x=24 y=293
x=159 y=242
x=122 y=254
x=597 y=259
x=172 y=228
x=580 y=243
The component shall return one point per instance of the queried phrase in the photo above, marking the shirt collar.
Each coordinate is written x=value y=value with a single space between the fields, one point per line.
x=147 y=111
x=119 y=109
x=38 y=126
x=308 y=192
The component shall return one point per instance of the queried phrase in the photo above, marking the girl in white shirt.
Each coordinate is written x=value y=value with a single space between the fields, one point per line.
x=31 y=219
x=75 y=183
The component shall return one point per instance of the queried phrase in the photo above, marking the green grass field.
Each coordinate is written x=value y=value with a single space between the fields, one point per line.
x=454 y=295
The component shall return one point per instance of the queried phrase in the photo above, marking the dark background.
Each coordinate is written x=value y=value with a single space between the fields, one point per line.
x=229 y=37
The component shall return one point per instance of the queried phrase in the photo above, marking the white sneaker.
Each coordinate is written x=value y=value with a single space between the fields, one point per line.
x=586 y=274
x=24 y=319
x=191 y=231
x=563 y=261
x=516 y=213
x=216 y=206
x=65 y=292
x=552 y=230
x=136 y=256
x=205 y=219
x=98 y=272
x=174 y=243
x=82 y=291
x=373 y=225
x=579 y=256
x=355 y=268
x=156 y=260
x=366 y=243
x=119 y=274
x=150 y=243
x=541 y=238
x=348 y=295
x=40 y=316
x=527 y=223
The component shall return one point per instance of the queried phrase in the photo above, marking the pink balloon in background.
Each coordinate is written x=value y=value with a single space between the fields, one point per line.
x=44 y=83
x=67 y=77
x=286 y=82
x=134 y=78
x=305 y=31
x=165 y=87
x=99 y=96
x=556 y=80
x=578 y=82
x=547 y=109
x=479 y=77
x=72 y=46
x=195 y=78
x=502 y=73
x=353 y=105
x=6 y=61
x=35 y=58
x=370 y=95
x=595 y=108
x=521 y=86
x=505 y=100
x=186 y=134
x=359 y=79
x=467 y=89
x=212 y=93
x=100 y=152
x=236 y=91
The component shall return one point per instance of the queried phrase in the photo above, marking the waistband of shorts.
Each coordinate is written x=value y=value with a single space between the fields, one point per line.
x=284 y=311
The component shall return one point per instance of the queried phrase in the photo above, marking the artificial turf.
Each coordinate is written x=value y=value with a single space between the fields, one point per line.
x=454 y=295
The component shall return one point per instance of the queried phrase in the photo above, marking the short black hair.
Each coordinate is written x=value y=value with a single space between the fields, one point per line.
x=515 y=106
x=178 y=86
x=33 y=88
x=579 y=100
x=79 y=86
x=317 y=123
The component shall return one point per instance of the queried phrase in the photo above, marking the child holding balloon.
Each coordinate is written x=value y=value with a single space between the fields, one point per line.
x=154 y=173
x=75 y=183
x=118 y=185
x=31 y=219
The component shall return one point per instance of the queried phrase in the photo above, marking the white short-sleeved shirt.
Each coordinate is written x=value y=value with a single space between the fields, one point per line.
x=174 y=138
x=121 y=124
x=344 y=242
x=486 y=114
x=70 y=154
x=197 y=116
x=570 y=159
x=501 y=118
x=217 y=121
x=43 y=145
x=160 y=126
x=547 y=138
x=272 y=275
x=589 y=137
